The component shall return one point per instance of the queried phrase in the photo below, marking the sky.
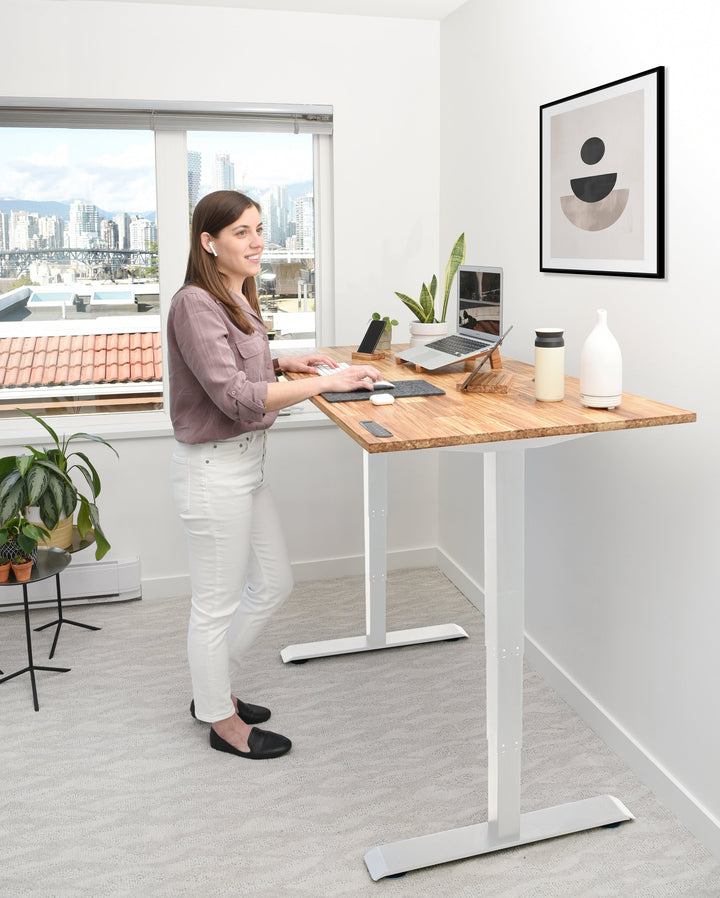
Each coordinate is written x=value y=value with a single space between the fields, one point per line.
x=115 y=170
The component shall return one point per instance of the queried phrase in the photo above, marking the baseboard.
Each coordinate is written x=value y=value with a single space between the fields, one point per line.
x=672 y=794
x=472 y=591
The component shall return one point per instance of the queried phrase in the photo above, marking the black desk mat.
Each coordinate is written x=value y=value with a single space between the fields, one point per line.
x=403 y=389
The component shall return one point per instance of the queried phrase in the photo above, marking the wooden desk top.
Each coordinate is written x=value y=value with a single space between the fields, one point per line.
x=458 y=418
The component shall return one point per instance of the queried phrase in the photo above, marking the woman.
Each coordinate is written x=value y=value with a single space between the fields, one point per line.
x=224 y=395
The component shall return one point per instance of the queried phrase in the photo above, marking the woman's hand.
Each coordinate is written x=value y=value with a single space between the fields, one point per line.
x=281 y=394
x=306 y=364
x=348 y=379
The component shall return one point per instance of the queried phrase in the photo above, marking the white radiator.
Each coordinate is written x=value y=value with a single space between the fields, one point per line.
x=81 y=583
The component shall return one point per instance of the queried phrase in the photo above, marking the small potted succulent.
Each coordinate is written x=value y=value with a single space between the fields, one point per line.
x=18 y=542
x=386 y=336
x=4 y=570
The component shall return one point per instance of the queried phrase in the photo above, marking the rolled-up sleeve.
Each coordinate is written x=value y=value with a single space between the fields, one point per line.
x=210 y=358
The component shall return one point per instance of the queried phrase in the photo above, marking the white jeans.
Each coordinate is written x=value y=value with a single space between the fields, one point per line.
x=239 y=566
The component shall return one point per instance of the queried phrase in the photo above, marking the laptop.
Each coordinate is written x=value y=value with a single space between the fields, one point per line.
x=479 y=320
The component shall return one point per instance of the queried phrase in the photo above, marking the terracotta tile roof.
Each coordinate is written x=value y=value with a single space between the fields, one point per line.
x=80 y=359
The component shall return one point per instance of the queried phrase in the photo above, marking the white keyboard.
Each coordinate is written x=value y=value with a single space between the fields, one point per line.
x=322 y=370
x=326 y=369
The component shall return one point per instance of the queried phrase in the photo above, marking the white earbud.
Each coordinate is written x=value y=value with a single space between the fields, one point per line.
x=212 y=248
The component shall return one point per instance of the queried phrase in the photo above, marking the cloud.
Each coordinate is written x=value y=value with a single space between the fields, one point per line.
x=114 y=179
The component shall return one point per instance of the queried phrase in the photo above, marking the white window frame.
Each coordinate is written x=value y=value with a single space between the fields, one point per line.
x=170 y=122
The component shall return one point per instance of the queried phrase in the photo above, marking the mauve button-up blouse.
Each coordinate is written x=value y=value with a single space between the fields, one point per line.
x=218 y=374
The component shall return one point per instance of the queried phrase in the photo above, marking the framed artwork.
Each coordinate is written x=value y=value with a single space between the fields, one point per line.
x=602 y=179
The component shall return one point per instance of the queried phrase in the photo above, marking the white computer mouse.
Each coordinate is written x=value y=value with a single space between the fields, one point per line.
x=382 y=399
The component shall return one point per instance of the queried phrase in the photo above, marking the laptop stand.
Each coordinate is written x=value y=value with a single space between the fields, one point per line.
x=494 y=381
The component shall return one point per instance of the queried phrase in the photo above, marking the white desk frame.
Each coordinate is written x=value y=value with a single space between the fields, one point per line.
x=376 y=635
x=506 y=827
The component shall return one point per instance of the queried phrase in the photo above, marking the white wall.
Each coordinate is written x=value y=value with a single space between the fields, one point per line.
x=382 y=78
x=622 y=596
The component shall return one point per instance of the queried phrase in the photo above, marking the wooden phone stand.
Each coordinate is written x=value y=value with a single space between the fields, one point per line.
x=368 y=356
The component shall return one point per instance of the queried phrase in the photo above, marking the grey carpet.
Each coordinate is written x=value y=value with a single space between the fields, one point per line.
x=111 y=788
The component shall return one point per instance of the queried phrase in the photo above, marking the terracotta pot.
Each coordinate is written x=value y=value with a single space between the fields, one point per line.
x=22 y=571
x=4 y=572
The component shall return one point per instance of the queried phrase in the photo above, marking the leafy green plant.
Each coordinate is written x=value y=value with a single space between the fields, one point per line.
x=44 y=478
x=25 y=534
x=424 y=307
x=389 y=322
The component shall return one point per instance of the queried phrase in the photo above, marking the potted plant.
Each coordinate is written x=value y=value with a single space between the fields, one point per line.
x=427 y=325
x=386 y=336
x=4 y=570
x=44 y=479
x=18 y=542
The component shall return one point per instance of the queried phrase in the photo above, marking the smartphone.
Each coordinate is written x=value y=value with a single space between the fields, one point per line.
x=372 y=336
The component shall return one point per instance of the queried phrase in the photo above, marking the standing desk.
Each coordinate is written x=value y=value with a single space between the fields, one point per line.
x=503 y=427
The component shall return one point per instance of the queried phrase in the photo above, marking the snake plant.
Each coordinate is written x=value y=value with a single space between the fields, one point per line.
x=424 y=307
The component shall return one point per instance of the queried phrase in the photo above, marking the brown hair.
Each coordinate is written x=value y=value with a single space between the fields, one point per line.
x=214 y=212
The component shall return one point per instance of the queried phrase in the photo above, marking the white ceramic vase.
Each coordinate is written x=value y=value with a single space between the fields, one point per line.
x=423 y=333
x=600 y=367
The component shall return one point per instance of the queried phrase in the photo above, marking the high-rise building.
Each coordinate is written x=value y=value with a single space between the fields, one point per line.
x=23 y=228
x=3 y=230
x=122 y=220
x=275 y=215
x=194 y=166
x=305 y=223
x=84 y=227
x=143 y=233
x=109 y=234
x=52 y=231
x=224 y=178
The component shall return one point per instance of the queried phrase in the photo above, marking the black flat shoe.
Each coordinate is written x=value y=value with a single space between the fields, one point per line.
x=249 y=714
x=262 y=744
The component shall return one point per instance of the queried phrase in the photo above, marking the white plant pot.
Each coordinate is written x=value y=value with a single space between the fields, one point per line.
x=423 y=333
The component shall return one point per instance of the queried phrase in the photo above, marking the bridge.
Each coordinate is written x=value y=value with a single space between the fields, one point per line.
x=15 y=261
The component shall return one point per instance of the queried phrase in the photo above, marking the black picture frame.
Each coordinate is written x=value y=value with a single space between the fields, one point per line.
x=602 y=179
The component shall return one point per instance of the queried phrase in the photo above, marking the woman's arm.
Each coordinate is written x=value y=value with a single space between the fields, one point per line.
x=282 y=394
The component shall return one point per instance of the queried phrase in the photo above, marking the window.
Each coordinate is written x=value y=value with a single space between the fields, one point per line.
x=94 y=238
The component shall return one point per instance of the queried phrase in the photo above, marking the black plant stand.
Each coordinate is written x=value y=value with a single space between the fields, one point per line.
x=78 y=544
x=50 y=562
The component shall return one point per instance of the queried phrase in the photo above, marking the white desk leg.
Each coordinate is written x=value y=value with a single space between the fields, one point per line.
x=504 y=476
x=504 y=528
x=376 y=637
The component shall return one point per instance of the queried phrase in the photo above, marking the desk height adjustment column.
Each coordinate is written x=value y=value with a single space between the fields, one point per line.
x=375 y=523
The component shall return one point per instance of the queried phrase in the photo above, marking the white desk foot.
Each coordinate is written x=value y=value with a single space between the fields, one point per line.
x=470 y=841
x=351 y=644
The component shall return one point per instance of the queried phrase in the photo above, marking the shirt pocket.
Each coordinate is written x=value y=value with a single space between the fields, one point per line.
x=250 y=351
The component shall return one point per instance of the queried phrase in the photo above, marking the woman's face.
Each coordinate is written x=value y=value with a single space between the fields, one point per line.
x=239 y=248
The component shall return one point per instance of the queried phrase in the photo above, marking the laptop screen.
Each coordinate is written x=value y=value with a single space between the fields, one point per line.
x=479 y=301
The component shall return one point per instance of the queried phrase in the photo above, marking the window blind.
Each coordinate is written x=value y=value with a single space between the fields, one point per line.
x=165 y=116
